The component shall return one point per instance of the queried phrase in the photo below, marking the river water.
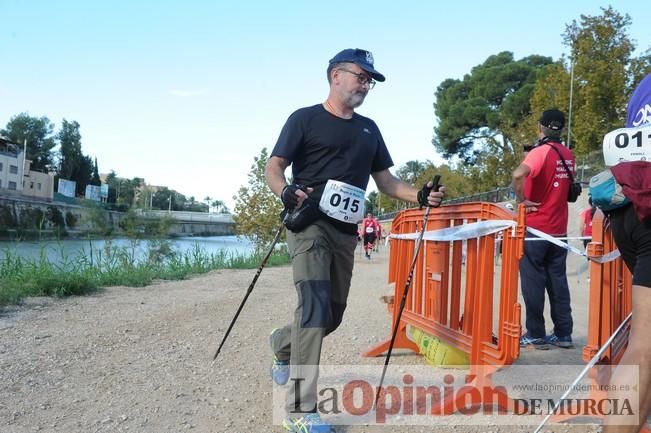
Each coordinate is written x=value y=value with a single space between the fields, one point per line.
x=69 y=249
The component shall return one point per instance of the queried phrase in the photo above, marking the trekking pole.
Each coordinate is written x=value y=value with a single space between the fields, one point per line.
x=588 y=366
x=250 y=289
x=435 y=187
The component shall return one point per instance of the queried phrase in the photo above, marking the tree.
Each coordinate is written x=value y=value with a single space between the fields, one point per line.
x=604 y=75
x=70 y=150
x=73 y=164
x=257 y=209
x=219 y=206
x=161 y=200
x=114 y=186
x=640 y=68
x=84 y=174
x=475 y=114
x=458 y=182
x=371 y=204
x=37 y=132
x=411 y=171
x=95 y=180
x=551 y=91
x=120 y=190
x=128 y=189
x=605 y=72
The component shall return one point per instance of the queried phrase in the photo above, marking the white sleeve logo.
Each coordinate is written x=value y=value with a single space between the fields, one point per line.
x=643 y=116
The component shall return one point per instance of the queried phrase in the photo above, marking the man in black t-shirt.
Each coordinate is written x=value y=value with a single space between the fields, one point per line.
x=333 y=151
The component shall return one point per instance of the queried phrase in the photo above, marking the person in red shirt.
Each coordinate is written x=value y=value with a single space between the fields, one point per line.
x=585 y=222
x=369 y=230
x=541 y=184
x=378 y=235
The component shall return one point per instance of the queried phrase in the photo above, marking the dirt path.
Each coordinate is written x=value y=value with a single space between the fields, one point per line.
x=138 y=359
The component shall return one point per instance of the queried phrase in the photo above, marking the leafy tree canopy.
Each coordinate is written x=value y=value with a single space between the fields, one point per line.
x=482 y=107
x=257 y=208
x=219 y=206
x=70 y=154
x=458 y=183
x=96 y=179
x=73 y=164
x=37 y=132
x=605 y=72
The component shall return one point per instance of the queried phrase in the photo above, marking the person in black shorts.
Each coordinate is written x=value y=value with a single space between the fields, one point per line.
x=632 y=232
x=332 y=150
x=369 y=228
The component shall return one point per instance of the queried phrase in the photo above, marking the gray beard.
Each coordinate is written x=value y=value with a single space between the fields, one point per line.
x=355 y=100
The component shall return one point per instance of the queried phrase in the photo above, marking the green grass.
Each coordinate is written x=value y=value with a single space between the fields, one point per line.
x=20 y=277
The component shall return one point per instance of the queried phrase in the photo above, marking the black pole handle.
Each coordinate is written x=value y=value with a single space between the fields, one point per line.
x=435 y=184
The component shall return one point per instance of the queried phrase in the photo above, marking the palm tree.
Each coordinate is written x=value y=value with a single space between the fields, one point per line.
x=219 y=206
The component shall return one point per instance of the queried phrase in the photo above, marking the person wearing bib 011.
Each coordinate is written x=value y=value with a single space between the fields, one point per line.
x=332 y=151
x=631 y=227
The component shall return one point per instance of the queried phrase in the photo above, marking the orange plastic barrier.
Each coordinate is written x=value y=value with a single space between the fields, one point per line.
x=454 y=295
x=610 y=295
x=610 y=303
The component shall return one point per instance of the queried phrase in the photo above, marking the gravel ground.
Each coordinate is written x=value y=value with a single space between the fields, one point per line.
x=139 y=359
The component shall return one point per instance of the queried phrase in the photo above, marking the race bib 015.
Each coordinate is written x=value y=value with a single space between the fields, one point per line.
x=627 y=144
x=343 y=202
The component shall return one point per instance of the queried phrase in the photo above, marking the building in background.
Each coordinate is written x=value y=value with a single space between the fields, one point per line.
x=37 y=184
x=11 y=167
x=16 y=176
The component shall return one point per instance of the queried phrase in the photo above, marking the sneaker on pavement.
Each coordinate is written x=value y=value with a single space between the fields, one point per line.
x=310 y=423
x=564 y=342
x=279 y=368
x=535 y=343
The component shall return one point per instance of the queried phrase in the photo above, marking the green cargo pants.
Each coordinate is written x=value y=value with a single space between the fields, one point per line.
x=322 y=262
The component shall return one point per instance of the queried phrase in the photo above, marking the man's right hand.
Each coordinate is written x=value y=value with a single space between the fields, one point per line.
x=530 y=206
x=294 y=195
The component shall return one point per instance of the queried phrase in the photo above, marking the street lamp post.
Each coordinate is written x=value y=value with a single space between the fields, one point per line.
x=569 y=120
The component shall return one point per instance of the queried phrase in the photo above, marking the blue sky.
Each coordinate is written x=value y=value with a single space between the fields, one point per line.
x=186 y=93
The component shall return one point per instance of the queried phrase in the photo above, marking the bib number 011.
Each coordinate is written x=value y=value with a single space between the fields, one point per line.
x=627 y=144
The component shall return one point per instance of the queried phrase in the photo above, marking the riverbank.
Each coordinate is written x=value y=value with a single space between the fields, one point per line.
x=63 y=270
x=139 y=359
x=23 y=218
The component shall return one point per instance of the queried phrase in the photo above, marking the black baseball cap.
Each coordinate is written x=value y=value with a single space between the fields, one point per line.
x=362 y=58
x=553 y=119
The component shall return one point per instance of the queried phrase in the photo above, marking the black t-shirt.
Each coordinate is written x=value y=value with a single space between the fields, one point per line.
x=321 y=146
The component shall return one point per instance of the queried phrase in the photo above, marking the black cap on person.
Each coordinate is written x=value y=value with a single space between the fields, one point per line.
x=553 y=119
